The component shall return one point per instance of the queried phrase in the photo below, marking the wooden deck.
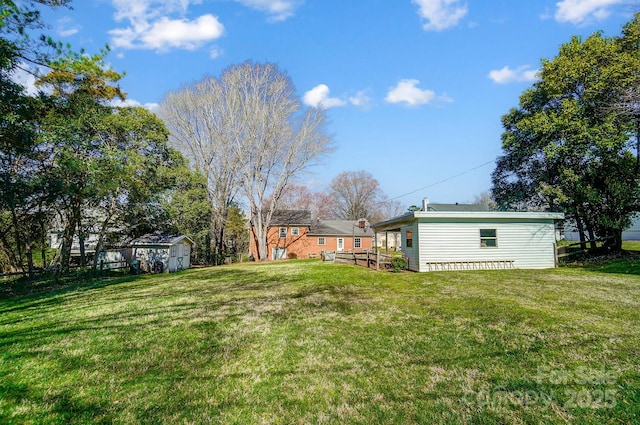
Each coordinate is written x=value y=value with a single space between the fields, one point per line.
x=372 y=260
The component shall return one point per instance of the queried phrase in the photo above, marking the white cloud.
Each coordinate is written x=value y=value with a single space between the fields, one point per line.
x=181 y=33
x=318 y=97
x=507 y=75
x=133 y=103
x=66 y=28
x=582 y=11
x=361 y=99
x=25 y=79
x=162 y=24
x=278 y=10
x=215 y=52
x=406 y=91
x=440 y=14
x=151 y=27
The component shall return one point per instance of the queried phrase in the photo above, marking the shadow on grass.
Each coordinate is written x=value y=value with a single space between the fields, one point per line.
x=25 y=287
x=145 y=301
x=48 y=286
x=122 y=324
x=64 y=404
x=625 y=262
x=620 y=266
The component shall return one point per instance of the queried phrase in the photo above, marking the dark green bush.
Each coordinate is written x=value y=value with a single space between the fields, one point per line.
x=398 y=264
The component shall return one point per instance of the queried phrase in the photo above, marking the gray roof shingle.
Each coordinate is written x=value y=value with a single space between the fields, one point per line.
x=159 y=239
x=291 y=218
x=338 y=228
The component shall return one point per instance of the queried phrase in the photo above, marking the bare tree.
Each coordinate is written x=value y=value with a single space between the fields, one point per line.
x=297 y=197
x=273 y=137
x=202 y=127
x=356 y=194
x=486 y=199
x=248 y=132
x=386 y=209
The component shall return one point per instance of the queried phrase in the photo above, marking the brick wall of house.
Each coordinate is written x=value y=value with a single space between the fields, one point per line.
x=305 y=245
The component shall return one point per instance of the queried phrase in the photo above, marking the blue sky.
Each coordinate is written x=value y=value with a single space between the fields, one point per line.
x=414 y=88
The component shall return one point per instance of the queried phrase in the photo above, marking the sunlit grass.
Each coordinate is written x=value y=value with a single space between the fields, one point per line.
x=308 y=342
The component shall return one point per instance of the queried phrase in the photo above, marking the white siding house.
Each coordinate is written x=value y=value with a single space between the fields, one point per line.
x=162 y=253
x=630 y=234
x=461 y=240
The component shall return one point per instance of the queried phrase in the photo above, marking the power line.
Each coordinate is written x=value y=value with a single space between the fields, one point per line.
x=443 y=180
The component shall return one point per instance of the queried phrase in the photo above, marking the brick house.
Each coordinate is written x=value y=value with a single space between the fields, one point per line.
x=293 y=234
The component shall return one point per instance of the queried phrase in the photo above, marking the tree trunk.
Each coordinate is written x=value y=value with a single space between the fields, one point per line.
x=220 y=248
x=260 y=233
x=29 y=253
x=43 y=250
x=18 y=239
x=67 y=237
x=83 y=255
x=65 y=254
x=103 y=230
x=580 y=227
x=592 y=237
x=207 y=250
x=617 y=240
x=637 y=169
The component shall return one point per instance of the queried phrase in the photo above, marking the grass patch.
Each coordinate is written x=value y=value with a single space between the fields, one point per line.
x=308 y=342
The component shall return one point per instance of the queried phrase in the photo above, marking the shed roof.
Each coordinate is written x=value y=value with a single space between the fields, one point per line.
x=456 y=216
x=153 y=239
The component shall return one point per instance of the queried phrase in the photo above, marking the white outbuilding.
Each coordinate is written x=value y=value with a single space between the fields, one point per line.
x=160 y=253
x=464 y=239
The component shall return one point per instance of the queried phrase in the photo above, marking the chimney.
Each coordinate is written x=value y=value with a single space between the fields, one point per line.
x=425 y=204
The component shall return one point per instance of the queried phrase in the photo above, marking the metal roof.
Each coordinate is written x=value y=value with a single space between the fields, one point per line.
x=160 y=239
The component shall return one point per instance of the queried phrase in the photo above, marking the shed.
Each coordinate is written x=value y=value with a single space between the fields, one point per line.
x=162 y=253
x=463 y=240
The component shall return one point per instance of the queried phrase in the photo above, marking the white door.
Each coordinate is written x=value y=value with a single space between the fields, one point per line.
x=279 y=253
x=340 y=244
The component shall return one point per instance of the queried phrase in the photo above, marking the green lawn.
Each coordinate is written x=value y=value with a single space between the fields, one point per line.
x=306 y=342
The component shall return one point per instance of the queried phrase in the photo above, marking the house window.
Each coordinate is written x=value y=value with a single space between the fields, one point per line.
x=283 y=232
x=321 y=241
x=488 y=238
x=173 y=250
x=295 y=231
x=409 y=240
x=357 y=243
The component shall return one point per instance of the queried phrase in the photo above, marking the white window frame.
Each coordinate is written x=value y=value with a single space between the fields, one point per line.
x=322 y=240
x=295 y=231
x=282 y=232
x=357 y=243
x=488 y=241
x=173 y=250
